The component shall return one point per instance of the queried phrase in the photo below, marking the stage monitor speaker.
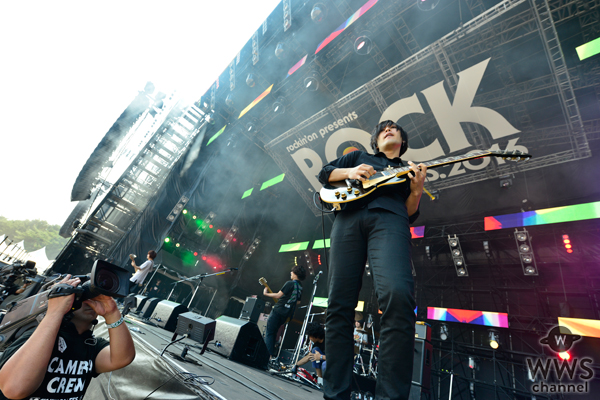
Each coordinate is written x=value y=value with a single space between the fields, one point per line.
x=148 y=307
x=252 y=309
x=240 y=341
x=422 y=364
x=423 y=330
x=166 y=313
x=199 y=328
x=141 y=300
x=129 y=303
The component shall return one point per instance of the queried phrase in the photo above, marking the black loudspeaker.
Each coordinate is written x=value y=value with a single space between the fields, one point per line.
x=240 y=341
x=141 y=300
x=252 y=309
x=129 y=303
x=199 y=328
x=422 y=364
x=148 y=307
x=166 y=313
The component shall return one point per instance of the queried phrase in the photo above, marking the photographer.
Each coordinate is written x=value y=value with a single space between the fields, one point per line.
x=59 y=359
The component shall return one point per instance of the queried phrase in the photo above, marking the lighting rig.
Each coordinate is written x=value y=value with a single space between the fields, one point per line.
x=528 y=263
x=457 y=256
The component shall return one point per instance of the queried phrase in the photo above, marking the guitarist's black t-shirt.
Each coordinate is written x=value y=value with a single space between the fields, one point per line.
x=292 y=293
x=389 y=197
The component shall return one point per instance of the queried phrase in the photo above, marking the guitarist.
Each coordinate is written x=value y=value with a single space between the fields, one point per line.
x=377 y=232
x=136 y=281
x=287 y=299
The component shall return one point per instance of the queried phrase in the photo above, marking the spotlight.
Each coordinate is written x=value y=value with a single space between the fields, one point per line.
x=526 y=256
x=279 y=50
x=505 y=181
x=311 y=82
x=427 y=5
x=279 y=106
x=428 y=252
x=250 y=80
x=210 y=118
x=203 y=104
x=250 y=127
x=457 y=256
x=363 y=44
x=472 y=363
x=318 y=13
x=565 y=355
x=167 y=239
x=229 y=100
x=494 y=339
x=444 y=332
x=567 y=242
x=486 y=248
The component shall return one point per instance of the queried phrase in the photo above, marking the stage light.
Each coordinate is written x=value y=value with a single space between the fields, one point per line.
x=494 y=339
x=457 y=256
x=567 y=242
x=194 y=217
x=177 y=245
x=486 y=248
x=250 y=80
x=318 y=13
x=444 y=332
x=184 y=211
x=279 y=50
x=427 y=5
x=363 y=44
x=167 y=239
x=428 y=252
x=505 y=181
x=565 y=355
x=210 y=118
x=229 y=100
x=526 y=256
x=203 y=104
x=250 y=127
x=311 y=82
x=472 y=363
x=195 y=254
x=279 y=106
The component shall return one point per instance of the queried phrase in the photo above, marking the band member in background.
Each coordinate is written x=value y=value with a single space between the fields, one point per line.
x=377 y=232
x=60 y=357
x=288 y=297
x=316 y=334
x=156 y=290
x=360 y=336
x=141 y=272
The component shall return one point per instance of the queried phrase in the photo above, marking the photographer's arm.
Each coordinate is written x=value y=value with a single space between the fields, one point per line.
x=121 y=351
x=34 y=355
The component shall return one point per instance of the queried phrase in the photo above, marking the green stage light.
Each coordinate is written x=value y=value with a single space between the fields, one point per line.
x=247 y=193
x=216 y=135
x=588 y=49
x=272 y=181
x=184 y=211
x=167 y=239
x=293 y=247
x=319 y=244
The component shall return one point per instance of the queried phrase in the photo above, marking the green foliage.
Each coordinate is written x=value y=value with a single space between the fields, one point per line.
x=36 y=234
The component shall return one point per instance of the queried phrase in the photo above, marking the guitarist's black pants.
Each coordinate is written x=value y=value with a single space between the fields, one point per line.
x=276 y=319
x=382 y=238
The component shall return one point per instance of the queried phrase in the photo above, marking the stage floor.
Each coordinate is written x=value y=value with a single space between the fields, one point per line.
x=232 y=380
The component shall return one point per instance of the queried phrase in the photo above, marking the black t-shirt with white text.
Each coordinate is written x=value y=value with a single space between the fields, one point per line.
x=71 y=366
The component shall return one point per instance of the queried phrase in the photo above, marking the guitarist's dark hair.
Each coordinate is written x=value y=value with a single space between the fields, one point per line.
x=152 y=254
x=300 y=272
x=380 y=127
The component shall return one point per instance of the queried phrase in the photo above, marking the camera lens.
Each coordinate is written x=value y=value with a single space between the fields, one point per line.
x=107 y=280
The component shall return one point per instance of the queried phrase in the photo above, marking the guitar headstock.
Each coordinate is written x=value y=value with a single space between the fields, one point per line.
x=514 y=155
x=262 y=281
x=132 y=257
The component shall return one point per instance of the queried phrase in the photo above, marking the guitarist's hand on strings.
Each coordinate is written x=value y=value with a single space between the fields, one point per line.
x=361 y=172
x=417 y=177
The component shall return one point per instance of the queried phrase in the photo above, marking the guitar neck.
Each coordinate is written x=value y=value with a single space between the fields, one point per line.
x=445 y=161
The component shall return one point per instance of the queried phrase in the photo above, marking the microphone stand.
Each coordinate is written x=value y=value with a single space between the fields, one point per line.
x=152 y=277
x=306 y=317
x=199 y=279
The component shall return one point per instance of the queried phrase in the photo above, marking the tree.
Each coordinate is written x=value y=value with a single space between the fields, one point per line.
x=36 y=234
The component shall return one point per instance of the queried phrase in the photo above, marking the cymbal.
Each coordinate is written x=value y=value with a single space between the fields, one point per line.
x=361 y=331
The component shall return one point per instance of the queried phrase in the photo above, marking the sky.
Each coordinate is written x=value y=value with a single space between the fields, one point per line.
x=70 y=68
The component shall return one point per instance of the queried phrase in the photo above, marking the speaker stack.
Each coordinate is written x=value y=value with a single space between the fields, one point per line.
x=421 y=379
x=141 y=300
x=166 y=313
x=241 y=341
x=252 y=309
x=148 y=307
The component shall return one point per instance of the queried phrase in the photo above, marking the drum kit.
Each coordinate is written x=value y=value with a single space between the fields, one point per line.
x=366 y=352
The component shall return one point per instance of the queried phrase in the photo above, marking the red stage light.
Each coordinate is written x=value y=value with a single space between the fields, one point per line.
x=234 y=239
x=565 y=236
x=210 y=226
x=218 y=231
x=565 y=355
x=569 y=250
x=195 y=253
x=567 y=241
x=204 y=258
x=319 y=259
x=568 y=246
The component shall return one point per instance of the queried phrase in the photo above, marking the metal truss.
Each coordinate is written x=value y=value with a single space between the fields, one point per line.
x=563 y=10
x=561 y=75
x=128 y=197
